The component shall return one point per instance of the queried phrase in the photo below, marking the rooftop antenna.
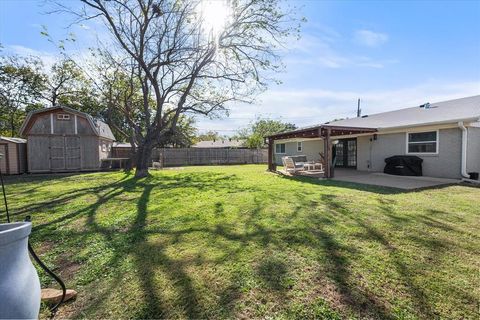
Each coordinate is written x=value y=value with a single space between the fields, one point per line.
x=359 y=111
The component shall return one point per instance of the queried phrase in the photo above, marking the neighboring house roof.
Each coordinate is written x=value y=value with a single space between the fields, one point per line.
x=122 y=145
x=434 y=113
x=100 y=128
x=13 y=140
x=219 y=144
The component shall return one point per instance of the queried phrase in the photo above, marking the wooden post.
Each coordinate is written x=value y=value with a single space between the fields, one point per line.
x=327 y=152
x=272 y=166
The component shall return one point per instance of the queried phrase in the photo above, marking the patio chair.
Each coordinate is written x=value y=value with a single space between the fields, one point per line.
x=290 y=165
x=315 y=166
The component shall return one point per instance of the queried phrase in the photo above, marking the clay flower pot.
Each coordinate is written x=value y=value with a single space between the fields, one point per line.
x=19 y=283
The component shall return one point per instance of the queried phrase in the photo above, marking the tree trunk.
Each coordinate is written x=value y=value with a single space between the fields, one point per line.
x=143 y=157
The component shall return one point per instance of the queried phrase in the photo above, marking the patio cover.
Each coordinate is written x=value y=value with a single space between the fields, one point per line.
x=325 y=132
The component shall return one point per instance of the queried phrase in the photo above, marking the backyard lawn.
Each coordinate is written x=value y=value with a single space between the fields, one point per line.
x=238 y=242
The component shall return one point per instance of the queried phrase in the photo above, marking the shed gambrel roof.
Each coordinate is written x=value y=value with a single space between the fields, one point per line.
x=100 y=128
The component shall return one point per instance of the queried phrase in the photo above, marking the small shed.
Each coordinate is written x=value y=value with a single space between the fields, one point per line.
x=61 y=139
x=13 y=155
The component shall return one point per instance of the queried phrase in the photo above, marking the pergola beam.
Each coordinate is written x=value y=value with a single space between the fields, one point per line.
x=325 y=132
x=272 y=166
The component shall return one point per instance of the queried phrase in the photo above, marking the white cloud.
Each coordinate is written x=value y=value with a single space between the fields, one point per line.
x=319 y=50
x=48 y=58
x=82 y=57
x=370 y=38
x=310 y=106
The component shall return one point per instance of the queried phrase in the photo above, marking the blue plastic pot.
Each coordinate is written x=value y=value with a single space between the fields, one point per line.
x=19 y=282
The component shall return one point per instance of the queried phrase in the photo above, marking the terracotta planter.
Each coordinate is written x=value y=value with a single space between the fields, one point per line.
x=19 y=283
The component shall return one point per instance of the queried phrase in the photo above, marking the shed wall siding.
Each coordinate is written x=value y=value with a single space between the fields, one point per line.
x=41 y=124
x=13 y=158
x=104 y=148
x=473 y=149
x=89 y=153
x=83 y=127
x=63 y=127
x=16 y=162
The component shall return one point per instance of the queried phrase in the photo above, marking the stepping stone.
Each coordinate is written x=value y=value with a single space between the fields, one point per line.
x=53 y=296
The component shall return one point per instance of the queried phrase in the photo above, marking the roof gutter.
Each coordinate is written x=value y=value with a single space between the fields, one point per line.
x=453 y=121
x=462 y=127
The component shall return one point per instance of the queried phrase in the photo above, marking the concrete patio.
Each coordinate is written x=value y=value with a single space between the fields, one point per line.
x=384 y=180
x=387 y=180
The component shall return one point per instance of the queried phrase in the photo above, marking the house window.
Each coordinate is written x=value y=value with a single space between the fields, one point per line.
x=63 y=116
x=299 y=146
x=422 y=142
x=280 y=148
x=104 y=147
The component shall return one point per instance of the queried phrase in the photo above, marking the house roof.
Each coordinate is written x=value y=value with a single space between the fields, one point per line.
x=435 y=113
x=13 y=140
x=219 y=144
x=464 y=109
x=100 y=128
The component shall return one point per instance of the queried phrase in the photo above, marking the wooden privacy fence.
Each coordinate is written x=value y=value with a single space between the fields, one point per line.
x=170 y=157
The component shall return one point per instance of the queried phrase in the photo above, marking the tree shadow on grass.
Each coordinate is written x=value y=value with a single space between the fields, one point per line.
x=136 y=243
x=150 y=257
x=419 y=298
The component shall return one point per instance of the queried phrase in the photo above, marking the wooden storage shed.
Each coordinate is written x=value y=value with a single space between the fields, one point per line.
x=13 y=159
x=61 y=139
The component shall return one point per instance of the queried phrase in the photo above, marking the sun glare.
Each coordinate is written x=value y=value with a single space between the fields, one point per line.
x=214 y=15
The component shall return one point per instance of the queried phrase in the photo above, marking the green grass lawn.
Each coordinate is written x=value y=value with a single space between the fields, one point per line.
x=238 y=242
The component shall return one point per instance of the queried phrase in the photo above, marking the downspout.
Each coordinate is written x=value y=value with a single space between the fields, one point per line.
x=464 y=149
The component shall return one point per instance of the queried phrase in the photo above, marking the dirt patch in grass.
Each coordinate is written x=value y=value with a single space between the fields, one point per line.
x=67 y=268
x=44 y=247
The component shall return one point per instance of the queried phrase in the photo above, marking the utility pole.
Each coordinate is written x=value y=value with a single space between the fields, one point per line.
x=359 y=111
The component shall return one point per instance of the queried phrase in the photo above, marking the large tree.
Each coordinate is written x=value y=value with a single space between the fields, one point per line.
x=189 y=56
x=21 y=81
x=65 y=83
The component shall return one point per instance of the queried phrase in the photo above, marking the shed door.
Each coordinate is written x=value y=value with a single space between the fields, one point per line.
x=57 y=153
x=72 y=152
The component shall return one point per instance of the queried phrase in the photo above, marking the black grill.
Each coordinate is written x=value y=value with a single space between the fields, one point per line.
x=404 y=165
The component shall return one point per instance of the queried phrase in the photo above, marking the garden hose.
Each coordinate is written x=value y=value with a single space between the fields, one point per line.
x=34 y=255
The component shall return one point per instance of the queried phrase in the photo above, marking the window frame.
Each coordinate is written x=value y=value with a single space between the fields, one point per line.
x=300 y=144
x=63 y=116
x=284 y=148
x=437 y=142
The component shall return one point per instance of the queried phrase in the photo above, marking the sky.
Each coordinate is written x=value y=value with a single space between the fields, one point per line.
x=390 y=54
